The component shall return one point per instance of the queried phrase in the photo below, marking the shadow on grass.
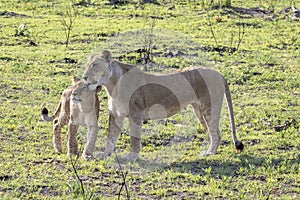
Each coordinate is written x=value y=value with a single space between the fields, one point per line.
x=218 y=168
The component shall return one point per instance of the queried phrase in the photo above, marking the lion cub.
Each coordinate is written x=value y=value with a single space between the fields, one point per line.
x=76 y=109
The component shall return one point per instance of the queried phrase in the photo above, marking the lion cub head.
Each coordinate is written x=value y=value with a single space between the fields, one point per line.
x=82 y=95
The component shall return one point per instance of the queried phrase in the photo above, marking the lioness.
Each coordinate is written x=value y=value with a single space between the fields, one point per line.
x=78 y=106
x=141 y=96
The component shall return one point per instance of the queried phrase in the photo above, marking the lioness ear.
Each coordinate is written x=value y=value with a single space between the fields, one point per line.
x=75 y=79
x=92 y=56
x=106 y=55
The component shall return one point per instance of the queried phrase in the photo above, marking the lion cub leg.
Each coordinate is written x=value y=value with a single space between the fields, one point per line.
x=58 y=125
x=91 y=140
x=72 y=139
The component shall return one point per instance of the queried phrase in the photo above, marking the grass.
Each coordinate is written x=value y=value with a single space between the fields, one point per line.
x=264 y=77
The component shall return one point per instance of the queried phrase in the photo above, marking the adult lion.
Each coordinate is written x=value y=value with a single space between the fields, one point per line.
x=78 y=106
x=141 y=96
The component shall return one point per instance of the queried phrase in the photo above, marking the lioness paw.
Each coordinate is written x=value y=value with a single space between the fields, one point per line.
x=102 y=155
x=207 y=153
x=87 y=156
x=132 y=156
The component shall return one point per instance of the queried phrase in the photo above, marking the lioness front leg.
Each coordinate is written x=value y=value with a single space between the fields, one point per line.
x=91 y=140
x=135 y=138
x=114 y=130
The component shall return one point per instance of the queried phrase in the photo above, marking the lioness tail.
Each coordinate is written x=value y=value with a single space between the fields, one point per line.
x=238 y=144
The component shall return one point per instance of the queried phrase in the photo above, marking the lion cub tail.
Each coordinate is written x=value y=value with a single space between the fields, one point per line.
x=238 y=144
x=46 y=117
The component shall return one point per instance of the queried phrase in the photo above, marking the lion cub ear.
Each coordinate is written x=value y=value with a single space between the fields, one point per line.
x=106 y=55
x=75 y=80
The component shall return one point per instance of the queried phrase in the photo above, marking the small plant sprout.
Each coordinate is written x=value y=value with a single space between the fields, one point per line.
x=22 y=30
x=67 y=20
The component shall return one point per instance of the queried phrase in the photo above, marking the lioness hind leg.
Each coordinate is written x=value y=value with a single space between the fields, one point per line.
x=210 y=125
x=200 y=116
x=214 y=136
x=57 y=140
x=72 y=139
x=135 y=122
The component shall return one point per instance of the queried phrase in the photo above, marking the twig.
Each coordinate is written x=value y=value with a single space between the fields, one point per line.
x=68 y=26
x=73 y=163
x=241 y=35
x=123 y=175
x=212 y=30
x=231 y=43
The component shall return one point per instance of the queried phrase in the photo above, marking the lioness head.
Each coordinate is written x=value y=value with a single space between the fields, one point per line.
x=98 y=70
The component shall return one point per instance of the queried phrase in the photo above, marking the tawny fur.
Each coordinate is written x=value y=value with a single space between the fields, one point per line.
x=78 y=106
x=141 y=96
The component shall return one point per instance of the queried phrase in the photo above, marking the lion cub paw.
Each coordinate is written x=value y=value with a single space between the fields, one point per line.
x=58 y=151
x=132 y=156
x=58 y=148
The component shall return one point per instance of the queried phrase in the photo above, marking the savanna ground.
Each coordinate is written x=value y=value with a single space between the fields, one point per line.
x=255 y=44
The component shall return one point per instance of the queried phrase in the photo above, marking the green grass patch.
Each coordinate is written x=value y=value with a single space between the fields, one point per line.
x=263 y=72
